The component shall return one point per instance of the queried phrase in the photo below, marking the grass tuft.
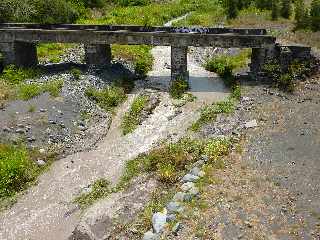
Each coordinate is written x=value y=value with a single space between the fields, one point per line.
x=107 y=98
x=133 y=118
x=178 y=88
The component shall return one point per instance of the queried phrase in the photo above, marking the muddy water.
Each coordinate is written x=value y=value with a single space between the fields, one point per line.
x=46 y=211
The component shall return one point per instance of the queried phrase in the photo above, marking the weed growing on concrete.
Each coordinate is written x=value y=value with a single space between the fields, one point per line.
x=99 y=189
x=133 y=118
x=178 y=88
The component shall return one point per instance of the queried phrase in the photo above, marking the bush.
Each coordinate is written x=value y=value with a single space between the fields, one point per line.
x=14 y=75
x=302 y=18
x=126 y=3
x=315 y=15
x=231 y=9
x=178 y=88
x=76 y=73
x=16 y=170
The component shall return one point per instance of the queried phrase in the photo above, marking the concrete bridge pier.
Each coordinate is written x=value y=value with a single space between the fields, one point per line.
x=179 y=63
x=22 y=54
x=97 y=54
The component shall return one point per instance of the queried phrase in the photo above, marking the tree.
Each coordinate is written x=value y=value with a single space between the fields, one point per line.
x=300 y=14
x=275 y=10
x=286 y=9
x=315 y=15
x=231 y=8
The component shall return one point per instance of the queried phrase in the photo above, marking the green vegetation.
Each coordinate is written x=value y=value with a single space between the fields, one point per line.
x=286 y=9
x=99 y=189
x=224 y=65
x=107 y=98
x=275 y=11
x=209 y=113
x=16 y=169
x=133 y=118
x=14 y=75
x=28 y=91
x=315 y=15
x=284 y=79
x=52 y=51
x=76 y=73
x=178 y=88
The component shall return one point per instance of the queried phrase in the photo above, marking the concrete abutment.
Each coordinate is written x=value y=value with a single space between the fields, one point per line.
x=98 y=54
x=179 y=63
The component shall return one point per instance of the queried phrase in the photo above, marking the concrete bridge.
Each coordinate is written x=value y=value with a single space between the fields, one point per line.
x=18 y=41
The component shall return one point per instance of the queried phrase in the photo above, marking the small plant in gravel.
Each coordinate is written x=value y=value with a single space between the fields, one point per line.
x=99 y=189
x=209 y=112
x=107 y=98
x=133 y=118
x=76 y=73
x=53 y=87
x=178 y=87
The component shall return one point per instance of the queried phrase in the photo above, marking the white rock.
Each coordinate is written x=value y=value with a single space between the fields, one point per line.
x=186 y=186
x=40 y=162
x=159 y=221
x=150 y=236
x=42 y=151
x=189 y=178
x=251 y=124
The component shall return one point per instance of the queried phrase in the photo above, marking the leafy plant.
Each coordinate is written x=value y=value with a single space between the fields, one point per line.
x=178 y=87
x=14 y=75
x=76 y=73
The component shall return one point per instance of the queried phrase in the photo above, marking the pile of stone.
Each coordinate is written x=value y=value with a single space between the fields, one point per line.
x=188 y=191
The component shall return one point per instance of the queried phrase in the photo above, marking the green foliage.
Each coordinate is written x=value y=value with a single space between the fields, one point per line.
x=76 y=73
x=315 y=15
x=178 y=87
x=107 y=98
x=286 y=9
x=142 y=66
x=125 y=3
x=217 y=148
x=263 y=4
x=99 y=189
x=133 y=118
x=224 y=65
x=40 y=11
x=14 y=75
x=302 y=18
x=209 y=113
x=231 y=9
x=275 y=10
x=52 y=51
x=53 y=87
x=16 y=170
x=28 y=91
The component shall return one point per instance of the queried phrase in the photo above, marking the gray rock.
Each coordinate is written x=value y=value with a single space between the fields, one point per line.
x=174 y=207
x=20 y=130
x=197 y=172
x=31 y=139
x=175 y=229
x=189 y=178
x=198 y=163
x=19 y=125
x=205 y=158
x=171 y=217
x=159 y=221
x=52 y=122
x=179 y=196
x=186 y=186
x=6 y=129
x=43 y=110
x=150 y=236
x=41 y=162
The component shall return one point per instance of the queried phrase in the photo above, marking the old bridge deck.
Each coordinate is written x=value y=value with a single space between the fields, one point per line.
x=18 y=40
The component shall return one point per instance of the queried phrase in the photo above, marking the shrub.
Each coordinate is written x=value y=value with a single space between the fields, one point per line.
x=315 y=15
x=178 y=88
x=28 y=91
x=76 y=73
x=16 y=169
x=53 y=87
x=217 y=148
x=133 y=2
x=231 y=9
x=142 y=67
x=107 y=98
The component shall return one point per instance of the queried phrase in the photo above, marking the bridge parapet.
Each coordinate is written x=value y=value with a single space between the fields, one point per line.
x=17 y=41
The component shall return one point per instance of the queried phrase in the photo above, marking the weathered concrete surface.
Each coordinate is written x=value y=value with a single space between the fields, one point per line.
x=105 y=217
x=97 y=54
x=179 y=63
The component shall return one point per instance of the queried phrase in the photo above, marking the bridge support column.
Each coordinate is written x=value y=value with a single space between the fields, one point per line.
x=98 y=54
x=179 y=63
x=257 y=60
x=21 y=54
